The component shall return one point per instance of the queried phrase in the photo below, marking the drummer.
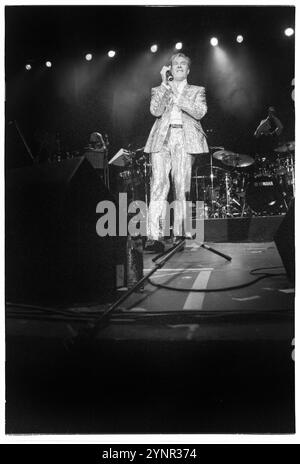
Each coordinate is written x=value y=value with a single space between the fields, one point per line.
x=267 y=133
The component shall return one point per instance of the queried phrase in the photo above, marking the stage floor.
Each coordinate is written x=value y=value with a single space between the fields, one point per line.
x=197 y=268
x=166 y=361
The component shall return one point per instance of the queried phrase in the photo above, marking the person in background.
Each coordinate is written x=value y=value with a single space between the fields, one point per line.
x=267 y=133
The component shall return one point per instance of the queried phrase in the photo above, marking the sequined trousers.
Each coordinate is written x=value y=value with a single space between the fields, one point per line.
x=172 y=158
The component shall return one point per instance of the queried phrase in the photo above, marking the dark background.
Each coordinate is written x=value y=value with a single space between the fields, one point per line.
x=58 y=382
x=76 y=97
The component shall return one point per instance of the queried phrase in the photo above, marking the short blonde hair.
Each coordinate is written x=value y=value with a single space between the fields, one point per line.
x=181 y=55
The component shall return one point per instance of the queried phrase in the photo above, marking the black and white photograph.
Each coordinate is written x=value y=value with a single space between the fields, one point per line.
x=149 y=219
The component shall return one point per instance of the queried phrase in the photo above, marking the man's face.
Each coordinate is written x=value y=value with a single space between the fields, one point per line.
x=180 y=68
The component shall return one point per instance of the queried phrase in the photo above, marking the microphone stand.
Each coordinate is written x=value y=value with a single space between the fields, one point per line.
x=159 y=261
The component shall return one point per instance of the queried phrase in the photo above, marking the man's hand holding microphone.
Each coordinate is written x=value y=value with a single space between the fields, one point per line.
x=167 y=80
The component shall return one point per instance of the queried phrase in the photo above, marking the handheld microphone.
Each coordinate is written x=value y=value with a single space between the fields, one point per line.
x=169 y=76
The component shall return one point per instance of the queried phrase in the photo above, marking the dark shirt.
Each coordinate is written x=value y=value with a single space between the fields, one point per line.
x=265 y=144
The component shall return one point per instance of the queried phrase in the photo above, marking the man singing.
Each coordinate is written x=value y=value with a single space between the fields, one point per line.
x=175 y=136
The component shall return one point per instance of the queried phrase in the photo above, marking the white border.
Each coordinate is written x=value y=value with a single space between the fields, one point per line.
x=129 y=439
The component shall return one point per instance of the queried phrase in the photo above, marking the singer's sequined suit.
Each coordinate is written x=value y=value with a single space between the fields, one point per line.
x=170 y=150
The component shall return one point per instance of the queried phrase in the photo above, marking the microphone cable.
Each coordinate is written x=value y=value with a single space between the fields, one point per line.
x=260 y=276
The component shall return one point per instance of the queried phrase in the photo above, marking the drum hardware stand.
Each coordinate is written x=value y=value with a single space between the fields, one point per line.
x=293 y=175
x=282 y=192
x=227 y=195
x=284 y=200
x=243 y=209
x=206 y=213
x=145 y=182
x=212 y=183
x=229 y=200
x=289 y=170
x=203 y=188
x=244 y=205
x=145 y=173
x=244 y=197
x=132 y=188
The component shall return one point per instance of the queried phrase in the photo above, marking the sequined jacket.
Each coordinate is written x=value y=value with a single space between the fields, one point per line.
x=193 y=105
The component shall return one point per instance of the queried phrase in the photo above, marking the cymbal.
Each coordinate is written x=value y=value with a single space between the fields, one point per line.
x=285 y=147
x=281 y=149
x=208 y=167
x=237 y=160
x=205 y=171
x=291 y=145
x=216 y=148
x=219 y=155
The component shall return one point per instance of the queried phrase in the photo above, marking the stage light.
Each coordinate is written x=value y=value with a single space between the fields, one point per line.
x=154 y=48
x=88 y=57
x=239 y=38
x=48 y=64
x=111 y=53
x=289 y=31
x=178 y=46
x=28 y=67
x=214 y=41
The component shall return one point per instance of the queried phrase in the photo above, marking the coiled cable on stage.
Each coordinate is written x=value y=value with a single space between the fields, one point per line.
x=224 y=289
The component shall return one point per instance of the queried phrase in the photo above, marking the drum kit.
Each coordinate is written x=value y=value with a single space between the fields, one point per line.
x=230 y=185
x=238 y=185
x=135 y=175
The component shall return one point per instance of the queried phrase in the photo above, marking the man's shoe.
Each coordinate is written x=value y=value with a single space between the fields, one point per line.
x=186 y=236
x=178 y=239
x=154 y=246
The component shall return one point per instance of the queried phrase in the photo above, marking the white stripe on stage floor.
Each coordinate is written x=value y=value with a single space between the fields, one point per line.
x=194 y=299
x=182 y=269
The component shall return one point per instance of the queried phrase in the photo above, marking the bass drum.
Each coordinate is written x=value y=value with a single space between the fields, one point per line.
x=263 y=195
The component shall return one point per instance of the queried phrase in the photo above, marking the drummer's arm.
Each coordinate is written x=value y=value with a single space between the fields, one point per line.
x=256 y=133
x=263 y=128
